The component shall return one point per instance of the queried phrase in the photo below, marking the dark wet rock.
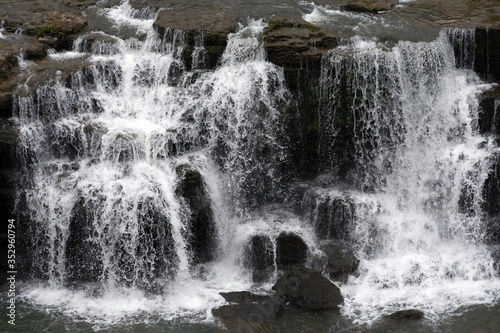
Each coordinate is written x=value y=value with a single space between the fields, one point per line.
x=298 y=47
x=255 y=313
x=290 y=250
x=83 y=253
x=407 y=315
x=489 y=115
x=259 y=258
x=245 y=297
x=202 y=238
x=365 y=6
x=487 y=55
x=308 y=289
x=491 y=201
x=8 y=141
x=339 y=261
x=332 y=214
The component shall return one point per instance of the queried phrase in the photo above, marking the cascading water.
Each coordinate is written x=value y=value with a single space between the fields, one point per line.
x=129 y=160
x=418 y=155
x=107 y=154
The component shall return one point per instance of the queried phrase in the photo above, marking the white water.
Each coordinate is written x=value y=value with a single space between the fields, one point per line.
x=134 y=122
x=417 y=147
x=111 y=138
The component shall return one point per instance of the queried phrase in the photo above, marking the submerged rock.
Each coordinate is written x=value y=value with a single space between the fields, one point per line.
x=290 y=250
x=308 y=289
x=407 y=314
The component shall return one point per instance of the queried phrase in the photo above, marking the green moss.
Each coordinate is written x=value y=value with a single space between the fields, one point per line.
x=275 y=23
x=46 y=30
x=312 y=27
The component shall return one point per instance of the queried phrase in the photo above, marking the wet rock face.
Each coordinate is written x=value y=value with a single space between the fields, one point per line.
x=202 y=232
x=491 y=201
x=308 y=289
x=489 y=116
x=487 y=55
x=83 y=256
x=259 y=258
x=290 y=250
x=8 y=140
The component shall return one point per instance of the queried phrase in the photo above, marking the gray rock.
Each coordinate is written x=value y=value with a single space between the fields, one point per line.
x=308 y=289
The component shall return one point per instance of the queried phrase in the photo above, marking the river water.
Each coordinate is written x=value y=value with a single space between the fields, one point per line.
x=113 y=139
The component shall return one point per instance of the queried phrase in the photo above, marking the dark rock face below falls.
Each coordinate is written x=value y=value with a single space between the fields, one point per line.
x=308 y=289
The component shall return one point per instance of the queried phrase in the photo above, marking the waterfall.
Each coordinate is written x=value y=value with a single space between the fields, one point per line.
x=147 y=184
x=417 y=153
x=111 y=154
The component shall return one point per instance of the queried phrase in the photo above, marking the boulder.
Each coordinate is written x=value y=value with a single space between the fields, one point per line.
x=202 y=238
x=259 y=258
x=411 y=314
x=308 y=289
x=251 y=312
x=290 y=250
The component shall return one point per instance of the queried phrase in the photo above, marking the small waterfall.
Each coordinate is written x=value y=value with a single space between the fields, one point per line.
x=415 y=150
x=463 y=41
